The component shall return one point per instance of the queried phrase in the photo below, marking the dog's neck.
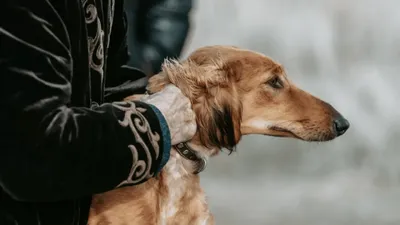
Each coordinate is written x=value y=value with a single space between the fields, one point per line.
x=183 y=188
x=187 y=152
x=192 y=156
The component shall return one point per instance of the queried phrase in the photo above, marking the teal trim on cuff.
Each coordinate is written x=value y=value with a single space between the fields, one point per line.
x=166 y=138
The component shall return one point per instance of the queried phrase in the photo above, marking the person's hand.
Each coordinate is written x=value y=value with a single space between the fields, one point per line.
x=177 y=111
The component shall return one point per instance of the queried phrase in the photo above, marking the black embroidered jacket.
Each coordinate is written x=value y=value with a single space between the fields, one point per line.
x=62 y=138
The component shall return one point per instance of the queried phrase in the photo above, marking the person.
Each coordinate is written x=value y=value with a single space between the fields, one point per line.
x=65 y=133
x=157 y=29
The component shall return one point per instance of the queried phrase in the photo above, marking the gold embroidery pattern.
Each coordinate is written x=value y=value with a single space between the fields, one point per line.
x=140 y=168
x=95 y=42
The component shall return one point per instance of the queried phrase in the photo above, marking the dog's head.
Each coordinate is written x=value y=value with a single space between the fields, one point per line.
x=236 y=92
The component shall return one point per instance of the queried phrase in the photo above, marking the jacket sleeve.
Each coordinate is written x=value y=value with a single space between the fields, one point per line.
x=158 y=30
x=50 y=150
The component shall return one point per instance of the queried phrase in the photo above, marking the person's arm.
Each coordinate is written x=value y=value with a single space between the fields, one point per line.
x=159 y=31
x=50 y=150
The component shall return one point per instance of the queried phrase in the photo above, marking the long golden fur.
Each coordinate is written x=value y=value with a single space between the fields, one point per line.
x=234 y=92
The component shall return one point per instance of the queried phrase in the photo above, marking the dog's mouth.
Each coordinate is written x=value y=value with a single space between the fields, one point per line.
x=283 y=132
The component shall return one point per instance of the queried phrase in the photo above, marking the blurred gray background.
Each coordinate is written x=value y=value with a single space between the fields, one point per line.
x=345 y=52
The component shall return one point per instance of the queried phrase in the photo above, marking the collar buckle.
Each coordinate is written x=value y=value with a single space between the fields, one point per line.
x=188 y=153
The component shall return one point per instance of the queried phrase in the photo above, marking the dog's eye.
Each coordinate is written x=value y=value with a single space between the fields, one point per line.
x=275 y=83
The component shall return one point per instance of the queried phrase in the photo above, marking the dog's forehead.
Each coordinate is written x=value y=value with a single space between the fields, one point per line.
x=258 y=62
x=205 y=54
x=250 y=60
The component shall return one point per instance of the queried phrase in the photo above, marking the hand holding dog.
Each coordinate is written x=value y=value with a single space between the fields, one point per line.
x=177 y=111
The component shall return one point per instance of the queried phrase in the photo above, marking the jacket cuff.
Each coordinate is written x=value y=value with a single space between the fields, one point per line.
x=166 y=137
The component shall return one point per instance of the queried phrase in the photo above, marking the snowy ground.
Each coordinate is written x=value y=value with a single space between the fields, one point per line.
x=347 y=53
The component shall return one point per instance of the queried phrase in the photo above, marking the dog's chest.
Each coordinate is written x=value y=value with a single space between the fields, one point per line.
x=176 y=188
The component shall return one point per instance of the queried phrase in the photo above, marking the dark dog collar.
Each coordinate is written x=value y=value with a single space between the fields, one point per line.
x=188 y=153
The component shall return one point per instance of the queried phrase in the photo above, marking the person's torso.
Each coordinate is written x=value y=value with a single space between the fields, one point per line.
x=88 y=23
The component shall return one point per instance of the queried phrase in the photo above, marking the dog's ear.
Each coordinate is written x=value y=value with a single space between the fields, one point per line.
x=210 y=86
x=218 y=120
x=191 y=78
x=218 y=108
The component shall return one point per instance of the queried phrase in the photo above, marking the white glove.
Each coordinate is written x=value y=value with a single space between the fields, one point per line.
x=177 y=111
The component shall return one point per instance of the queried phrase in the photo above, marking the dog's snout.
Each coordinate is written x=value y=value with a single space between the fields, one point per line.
x=341 y=125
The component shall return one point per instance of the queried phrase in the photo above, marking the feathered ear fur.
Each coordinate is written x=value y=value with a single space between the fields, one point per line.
x=215 y=100
x=218 y=119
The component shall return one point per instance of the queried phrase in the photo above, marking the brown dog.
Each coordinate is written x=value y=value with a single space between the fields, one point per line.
x=233 y=92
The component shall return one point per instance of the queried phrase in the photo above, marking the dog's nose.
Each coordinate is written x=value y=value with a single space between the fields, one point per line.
x=341 y=125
